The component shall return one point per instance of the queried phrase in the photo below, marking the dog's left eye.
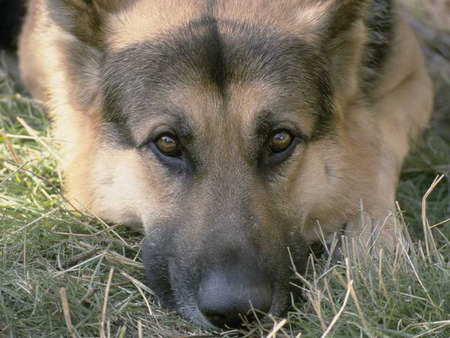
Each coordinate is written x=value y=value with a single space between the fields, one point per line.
x=280 y=141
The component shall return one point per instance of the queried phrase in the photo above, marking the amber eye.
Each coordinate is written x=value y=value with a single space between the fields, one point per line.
x=168 y=146
x=280 y=141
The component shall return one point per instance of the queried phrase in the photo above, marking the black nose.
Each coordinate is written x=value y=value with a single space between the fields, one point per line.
x=225 y=298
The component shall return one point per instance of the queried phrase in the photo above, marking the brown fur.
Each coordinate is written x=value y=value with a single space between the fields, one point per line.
x=324 y=183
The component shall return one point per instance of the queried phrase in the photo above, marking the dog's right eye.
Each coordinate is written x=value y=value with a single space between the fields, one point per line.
x=168 y=145
x=168 y=149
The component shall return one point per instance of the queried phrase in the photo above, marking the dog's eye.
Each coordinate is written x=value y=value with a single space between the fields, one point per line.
x=168 y=145
x=280 y=141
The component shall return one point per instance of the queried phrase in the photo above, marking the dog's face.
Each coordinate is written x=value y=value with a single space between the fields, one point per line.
x=222 y=137
x=220 y=119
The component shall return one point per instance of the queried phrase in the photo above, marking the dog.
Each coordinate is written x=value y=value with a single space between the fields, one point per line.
x=235 y=134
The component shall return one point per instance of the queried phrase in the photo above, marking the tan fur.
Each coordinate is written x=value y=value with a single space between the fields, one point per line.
x=145 y=20
x=402 y=107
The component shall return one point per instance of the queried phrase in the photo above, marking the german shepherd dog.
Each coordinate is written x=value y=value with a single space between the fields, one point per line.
x=236 y=133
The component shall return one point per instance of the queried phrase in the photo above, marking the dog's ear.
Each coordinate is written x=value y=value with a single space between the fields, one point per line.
x=84 y=19
x=344 y=15
x=338 y=28
x=326 y=20
x=79 y=41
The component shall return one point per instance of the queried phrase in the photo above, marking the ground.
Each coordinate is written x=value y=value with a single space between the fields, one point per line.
x=66 y=273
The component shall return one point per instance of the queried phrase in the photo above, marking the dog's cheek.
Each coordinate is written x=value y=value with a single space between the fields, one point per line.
x=129 y=188
x=318 y=190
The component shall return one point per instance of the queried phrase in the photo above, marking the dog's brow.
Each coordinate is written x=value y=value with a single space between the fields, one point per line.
x=267 y=121
x=182 y=124
x=197 y=55
x=174 y=119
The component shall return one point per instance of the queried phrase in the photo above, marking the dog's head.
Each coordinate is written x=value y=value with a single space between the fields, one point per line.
x=221 y=127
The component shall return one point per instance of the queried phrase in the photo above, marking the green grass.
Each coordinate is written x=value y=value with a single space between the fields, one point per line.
x=51 y=257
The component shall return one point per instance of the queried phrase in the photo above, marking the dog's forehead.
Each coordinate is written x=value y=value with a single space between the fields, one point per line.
x=144 y=20
x=216 y=65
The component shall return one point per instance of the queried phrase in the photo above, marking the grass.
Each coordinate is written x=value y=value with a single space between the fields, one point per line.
x=66 y=273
